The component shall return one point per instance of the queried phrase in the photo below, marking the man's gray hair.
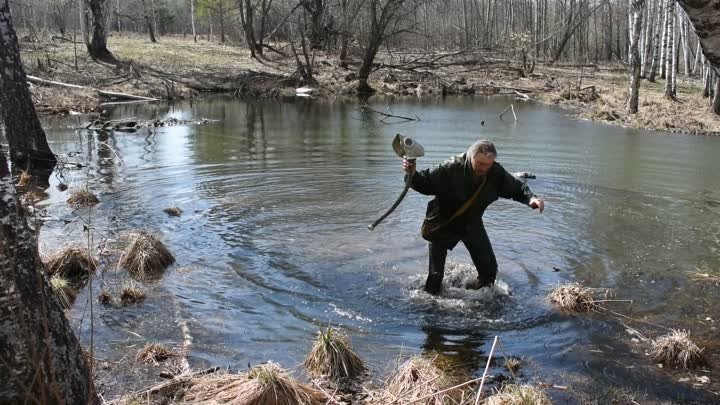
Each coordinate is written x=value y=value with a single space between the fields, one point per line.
x=482 y=146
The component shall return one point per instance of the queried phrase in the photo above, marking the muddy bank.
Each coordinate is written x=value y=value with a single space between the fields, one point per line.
x=177 y=68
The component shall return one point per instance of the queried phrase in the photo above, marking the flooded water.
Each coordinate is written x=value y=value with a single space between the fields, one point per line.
x=273 y=241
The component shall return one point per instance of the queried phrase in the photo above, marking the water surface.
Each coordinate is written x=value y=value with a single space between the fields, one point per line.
x=273 y=244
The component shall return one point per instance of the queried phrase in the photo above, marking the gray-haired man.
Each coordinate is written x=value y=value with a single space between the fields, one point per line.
x=453 y=183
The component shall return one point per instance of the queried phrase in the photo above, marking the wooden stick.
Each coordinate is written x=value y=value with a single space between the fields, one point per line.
x=512 y=109
x=504 y=111
x=37 y=80
x=487 y=366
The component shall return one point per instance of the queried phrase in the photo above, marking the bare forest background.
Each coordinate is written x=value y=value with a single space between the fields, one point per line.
x=533 y=31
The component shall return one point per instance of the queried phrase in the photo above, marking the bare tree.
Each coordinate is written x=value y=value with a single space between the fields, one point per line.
x=148 y=22
x=575 y=18
x=637 y=10
x=316 y=10
x=247 y=19
x=381 y=14
x=98 y=46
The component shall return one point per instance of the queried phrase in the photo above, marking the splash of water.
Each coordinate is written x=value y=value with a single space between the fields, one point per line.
x=455 y=295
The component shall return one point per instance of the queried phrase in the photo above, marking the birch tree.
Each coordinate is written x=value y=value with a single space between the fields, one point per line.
x=637 y=11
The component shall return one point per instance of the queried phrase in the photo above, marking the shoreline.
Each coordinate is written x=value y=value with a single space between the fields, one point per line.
x=177 y=69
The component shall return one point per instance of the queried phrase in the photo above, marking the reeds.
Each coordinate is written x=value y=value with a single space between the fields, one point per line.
x=519 y=394
x=146 y=256
x=72 y=264
x=63 y=290
x=130 y=294
x=265 y=384
x=155 y=353
x=678 y=350
x=572 y=297
x=415 y=381
x=82 y=198
x=332 y=357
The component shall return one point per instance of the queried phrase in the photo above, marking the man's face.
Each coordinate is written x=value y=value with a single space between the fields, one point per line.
x=481 y=164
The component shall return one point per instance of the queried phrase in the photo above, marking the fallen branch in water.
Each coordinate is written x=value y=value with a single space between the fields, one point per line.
x=111 y=94
x=367 y=108
x=512 y=108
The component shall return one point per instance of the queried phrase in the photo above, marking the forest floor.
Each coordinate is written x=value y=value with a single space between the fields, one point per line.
x=177 y=68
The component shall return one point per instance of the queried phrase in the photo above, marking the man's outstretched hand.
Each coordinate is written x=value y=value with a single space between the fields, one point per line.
x=537 y=203
x=409 y=166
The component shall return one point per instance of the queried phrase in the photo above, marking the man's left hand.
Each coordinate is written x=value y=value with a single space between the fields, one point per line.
x=537 y=203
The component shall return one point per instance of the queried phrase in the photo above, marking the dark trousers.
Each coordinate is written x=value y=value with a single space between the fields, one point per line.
x=478 y=244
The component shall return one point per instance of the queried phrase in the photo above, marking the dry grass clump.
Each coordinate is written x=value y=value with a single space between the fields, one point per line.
x=131 y=295
x=74 y=264
x=332 y=356
x=63 y=290
x=173 y=211
x=572 y=297
x=519 y=394
x=265 y=384
x=418 y=378
x=676 y=349
x=104 y=297
x=31 y=198
x=512 y=364
x=146 y=256
x=24 y=178
x=155 y=353
x=82 y=198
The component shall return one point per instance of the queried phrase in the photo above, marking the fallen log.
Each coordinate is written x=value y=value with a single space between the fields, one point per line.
x=111 y=94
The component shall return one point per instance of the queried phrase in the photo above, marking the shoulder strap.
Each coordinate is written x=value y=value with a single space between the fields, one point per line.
x=469 y=202
x=465 y=206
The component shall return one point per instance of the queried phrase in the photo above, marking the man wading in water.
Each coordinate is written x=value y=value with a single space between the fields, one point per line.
x=463 y=187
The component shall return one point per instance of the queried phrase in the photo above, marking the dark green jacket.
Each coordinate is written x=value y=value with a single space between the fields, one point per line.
x=452 y=183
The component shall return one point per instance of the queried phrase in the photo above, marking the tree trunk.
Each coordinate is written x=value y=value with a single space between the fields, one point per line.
x=192 y=19
x=41 y=361
x=368 y=58
x=670 y=63
x=685 y=45
x=656 y=43
x=706 y=83
x=664 y=50
x=344 y=33
x=29 y=149
x=316 y=9
x=98 y=46
x=83 y=23
x=247 y=20
x=637 y=10
x=704 y=16
x=698 y=58
x=148 y=22
x=117 y=14
x=222 y=23
x=716 y=96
